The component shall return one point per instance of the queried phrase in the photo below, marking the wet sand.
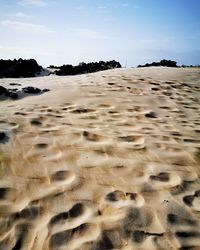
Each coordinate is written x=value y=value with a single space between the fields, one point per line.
x=109 y=160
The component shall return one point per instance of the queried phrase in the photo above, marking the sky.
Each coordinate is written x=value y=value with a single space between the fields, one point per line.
x=72 y=31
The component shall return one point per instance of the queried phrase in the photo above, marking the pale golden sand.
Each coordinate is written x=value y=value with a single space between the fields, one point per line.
x=102 y=161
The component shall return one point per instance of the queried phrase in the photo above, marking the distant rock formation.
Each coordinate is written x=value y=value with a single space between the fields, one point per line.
x=53 y=67
x=164 y=63
x=84 y=68
x=19 y=68
x=190 y=66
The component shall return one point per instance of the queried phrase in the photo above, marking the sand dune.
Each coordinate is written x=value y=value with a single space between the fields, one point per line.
x=103 y=161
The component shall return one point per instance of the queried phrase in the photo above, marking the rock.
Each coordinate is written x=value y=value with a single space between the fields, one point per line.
x=13 y=89
x=19 y=68
x=13 y=95
x=31 y=90
x=46 y=90
x=2 y=136
x=3 y=90
x=15 y=84
x=164 y=63
x=9 y=92
x=84 y=68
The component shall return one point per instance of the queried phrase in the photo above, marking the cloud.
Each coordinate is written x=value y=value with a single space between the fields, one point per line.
x=8 y=48
x=103 y=9
x=21 y=15
x=25 y=27
x=37 y=3
x=156 y=41
x=126 y=5
x=86 y=33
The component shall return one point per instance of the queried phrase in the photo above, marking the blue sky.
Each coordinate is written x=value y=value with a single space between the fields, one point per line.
x=71 y=31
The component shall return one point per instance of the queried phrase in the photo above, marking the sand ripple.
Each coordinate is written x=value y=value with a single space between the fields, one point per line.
x=112 y=165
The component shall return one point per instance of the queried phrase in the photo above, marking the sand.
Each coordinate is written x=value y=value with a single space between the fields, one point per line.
x=102 y=161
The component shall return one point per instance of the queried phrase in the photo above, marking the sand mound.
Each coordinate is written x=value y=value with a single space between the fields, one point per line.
x=102 y=161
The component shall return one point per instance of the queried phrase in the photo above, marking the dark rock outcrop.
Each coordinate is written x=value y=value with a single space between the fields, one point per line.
x=164 y=63
x=31 y=90
x=3 y=137
x=19 y=68
x=84 y=68
x=46 y=90
x=15 y=93
x=3 y=90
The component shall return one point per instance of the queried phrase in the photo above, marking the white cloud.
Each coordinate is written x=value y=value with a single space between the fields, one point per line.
x=126 y=5
x=26 y=27
x=21 y=15
x=86 y=33
x=8 y=48
x=38 y=3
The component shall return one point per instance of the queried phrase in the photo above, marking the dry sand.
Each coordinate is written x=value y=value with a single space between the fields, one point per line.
x=103 y=161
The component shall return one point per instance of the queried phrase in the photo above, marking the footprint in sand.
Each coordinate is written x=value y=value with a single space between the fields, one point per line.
x=143 y=228
x=151 y=115
x=35 y=122
x=132 y=141
x=48 y=186
x=74 y=238
x=109 y=239
x=8 y=197
x=62 y=177
x=120 y=199
x=70 y=219
x=41 y=145
x=7 y=193
x=29 y=213
x=93 y=137
x=193 y=200
x=164 y=180
x=82 y=110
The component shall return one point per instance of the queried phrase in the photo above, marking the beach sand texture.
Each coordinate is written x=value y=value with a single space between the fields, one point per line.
x=109 y=160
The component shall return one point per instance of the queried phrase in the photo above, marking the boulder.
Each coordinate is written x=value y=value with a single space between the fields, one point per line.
x=3 y=90
x=31 y=90
x=84 y=68
x=164 y=63
x=19 y=68
x=2 y=136
x=46 y=90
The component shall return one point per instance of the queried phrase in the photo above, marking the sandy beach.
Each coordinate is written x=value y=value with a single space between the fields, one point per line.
x=109 y=160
